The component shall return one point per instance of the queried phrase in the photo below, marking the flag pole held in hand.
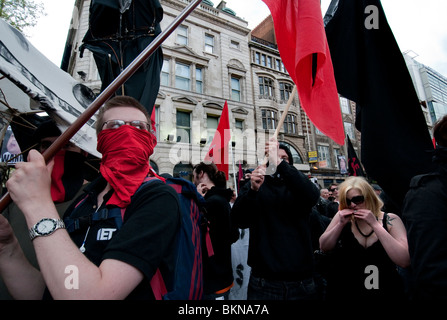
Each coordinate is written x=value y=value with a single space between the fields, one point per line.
x=64 y=138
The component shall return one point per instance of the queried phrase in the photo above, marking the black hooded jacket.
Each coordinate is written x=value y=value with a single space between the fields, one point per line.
x=217 y=269
x=425 y=216
x=280 y=246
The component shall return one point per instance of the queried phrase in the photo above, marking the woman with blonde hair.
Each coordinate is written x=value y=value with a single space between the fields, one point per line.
x=367 y=244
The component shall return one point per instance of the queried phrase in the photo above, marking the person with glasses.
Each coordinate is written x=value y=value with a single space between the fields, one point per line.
x=97 y=259
x=366 y=245
x=332 y=206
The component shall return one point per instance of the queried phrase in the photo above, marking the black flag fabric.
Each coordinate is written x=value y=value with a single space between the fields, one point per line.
x=354 y=165
x=370 y=70
x=118 y=32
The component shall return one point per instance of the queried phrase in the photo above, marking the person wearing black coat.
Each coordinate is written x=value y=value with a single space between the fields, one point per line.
x=425 y=217
x=217 y=267
x=277 y=208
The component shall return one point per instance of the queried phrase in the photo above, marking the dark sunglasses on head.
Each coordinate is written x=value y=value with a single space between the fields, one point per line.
x=357 y=200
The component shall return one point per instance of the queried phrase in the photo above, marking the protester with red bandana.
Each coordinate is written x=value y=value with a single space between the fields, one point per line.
x=102 y=261
x=67 y=180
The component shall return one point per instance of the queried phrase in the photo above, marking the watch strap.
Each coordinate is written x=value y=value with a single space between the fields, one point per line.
x=33 y=233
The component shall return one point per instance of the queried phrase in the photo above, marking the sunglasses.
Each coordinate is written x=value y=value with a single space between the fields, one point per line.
x=357 y=200
x=115 y=124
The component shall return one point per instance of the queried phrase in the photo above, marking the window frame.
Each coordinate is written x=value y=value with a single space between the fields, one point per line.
x=178 y=127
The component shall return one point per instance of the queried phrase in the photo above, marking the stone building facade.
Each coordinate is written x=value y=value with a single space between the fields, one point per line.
x=212 y=58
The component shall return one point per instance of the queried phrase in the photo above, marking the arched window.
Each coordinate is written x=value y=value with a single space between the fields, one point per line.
x=295 y=154
x=183 y=170
x=285 y=90
x=268 y=119
x=266 y=87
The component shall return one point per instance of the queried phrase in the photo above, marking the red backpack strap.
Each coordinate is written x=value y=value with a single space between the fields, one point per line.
x=158 y=285
x=209 y=244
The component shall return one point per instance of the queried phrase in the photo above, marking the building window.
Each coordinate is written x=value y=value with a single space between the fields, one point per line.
x=269 y=62
x=182 y=76
x=182 y=35
x=349 y=130
x=239 y=125
x=278 y=65
x=164 y=80
x=290 y=124
x=235 y=89
x=199 y=80
x=263 y=60
x=183 y=126
x=285 y=90
x=317 y=131
x=183 y=170
x=257 y=58
x=324 y=157
x=209 y=43
x=336 y=154
x=344 y=104
x=266 y=86
x=268 y=119
x=234 y=44
x=295 y=155
x=211 y=124
x=157 y=122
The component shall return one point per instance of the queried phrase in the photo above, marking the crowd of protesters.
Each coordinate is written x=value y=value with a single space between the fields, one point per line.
x=281 y=238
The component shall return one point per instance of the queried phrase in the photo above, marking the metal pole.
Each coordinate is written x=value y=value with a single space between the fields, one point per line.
x=234 y=170
x=65 y=137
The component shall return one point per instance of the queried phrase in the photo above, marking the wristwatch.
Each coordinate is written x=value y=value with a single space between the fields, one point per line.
x=45 y=227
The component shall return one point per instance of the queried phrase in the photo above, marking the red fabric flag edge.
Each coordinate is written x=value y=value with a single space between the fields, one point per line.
x=301 y=37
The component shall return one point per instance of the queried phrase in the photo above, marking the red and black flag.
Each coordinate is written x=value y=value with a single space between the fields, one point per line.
x=354 y=165
x=369 y=69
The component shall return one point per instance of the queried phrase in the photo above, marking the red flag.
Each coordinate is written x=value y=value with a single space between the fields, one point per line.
x=218 y=152
x=302 y=44
x=153 y=122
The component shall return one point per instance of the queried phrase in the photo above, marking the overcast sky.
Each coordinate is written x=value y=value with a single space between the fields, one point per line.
x=418 y=25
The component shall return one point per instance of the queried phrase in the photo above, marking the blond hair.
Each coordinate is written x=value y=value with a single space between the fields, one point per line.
x=372 y=201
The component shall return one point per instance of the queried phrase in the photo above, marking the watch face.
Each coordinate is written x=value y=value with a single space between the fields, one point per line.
x=45 y=226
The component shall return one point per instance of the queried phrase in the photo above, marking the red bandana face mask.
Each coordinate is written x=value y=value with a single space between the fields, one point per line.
x=125 y=160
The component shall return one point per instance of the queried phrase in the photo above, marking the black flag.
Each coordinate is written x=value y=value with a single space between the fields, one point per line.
x=354 y=165
x=370 y=70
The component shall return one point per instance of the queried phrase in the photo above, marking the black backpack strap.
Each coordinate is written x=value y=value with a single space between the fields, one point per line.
x=79 y=223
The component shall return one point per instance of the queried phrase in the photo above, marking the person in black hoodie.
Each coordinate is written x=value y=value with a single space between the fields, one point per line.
x=276 y=208
x=217 y=267
x=425 y=217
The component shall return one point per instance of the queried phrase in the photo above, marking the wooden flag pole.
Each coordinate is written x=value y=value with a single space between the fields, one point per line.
x=281 y=121
x=65 y=137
